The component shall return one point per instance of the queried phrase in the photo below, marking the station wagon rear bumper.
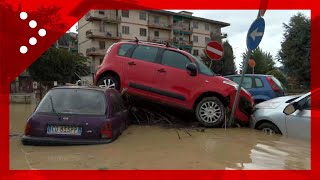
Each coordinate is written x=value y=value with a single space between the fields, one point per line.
x=47 y=141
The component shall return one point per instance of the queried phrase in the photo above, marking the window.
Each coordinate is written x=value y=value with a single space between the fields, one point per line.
x=203 y=69
x=101 y=12
x=174 y=59
x=156 y=19
x=207 y=27
x=125 y=13
x=143 y=16
x=102 y=44
x=125 y=30
x=195 y=25
x=258 y=82
x=103 y=27
x=207 y=39
x=143 y=32
x=124 y=48
x=195 y=39
x=156 y=33
x=247 y=82
x=73 y=101
x=145 y=53
x=196 y=52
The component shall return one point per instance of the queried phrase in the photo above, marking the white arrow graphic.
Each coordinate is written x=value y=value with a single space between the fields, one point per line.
x=255 y=33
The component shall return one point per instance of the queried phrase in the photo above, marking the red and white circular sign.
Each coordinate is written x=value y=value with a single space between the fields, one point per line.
x=214 y=50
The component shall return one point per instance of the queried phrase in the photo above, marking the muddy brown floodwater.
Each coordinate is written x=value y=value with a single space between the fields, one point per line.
x=153 y=147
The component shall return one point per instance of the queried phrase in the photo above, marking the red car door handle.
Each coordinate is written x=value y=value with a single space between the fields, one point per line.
x=131 y=63
x=161 y=70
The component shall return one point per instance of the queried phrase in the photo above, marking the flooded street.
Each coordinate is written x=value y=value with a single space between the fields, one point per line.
x=152 y=147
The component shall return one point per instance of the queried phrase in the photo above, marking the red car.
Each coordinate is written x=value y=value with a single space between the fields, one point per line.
x=165 y=74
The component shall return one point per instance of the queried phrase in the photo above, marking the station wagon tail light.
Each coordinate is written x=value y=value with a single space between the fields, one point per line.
x=27 y=128
x=273 y=84
x=106 y=131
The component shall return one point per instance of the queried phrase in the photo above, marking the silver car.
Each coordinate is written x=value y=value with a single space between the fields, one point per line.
x=288 y=115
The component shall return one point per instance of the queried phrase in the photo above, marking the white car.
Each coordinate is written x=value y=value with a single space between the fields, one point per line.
x=288 y=115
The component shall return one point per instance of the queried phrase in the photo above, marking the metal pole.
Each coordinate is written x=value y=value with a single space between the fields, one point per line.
x=235 y=103
x=210 y=63
x=244 y=69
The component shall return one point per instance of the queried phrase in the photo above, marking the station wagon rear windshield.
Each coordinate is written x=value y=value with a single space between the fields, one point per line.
x=73 y=101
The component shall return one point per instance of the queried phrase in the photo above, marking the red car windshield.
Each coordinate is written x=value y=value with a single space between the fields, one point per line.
x=73 y=101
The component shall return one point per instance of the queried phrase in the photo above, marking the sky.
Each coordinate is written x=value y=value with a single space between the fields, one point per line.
x=240 y=21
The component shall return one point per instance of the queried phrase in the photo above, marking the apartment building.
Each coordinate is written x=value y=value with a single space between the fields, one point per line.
x=99 y=29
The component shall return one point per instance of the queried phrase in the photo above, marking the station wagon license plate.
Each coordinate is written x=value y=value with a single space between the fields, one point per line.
x=67 y=130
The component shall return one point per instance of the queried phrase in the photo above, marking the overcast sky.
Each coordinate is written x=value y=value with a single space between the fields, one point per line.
x=240 y=21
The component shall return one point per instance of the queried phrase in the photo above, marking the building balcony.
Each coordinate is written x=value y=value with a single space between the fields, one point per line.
x=95 y=51
x=94 y=15
x=160 y=25
x=104 y=35
x=221 y=35
x=158 y=39
x=179 y=42
x=182 y=27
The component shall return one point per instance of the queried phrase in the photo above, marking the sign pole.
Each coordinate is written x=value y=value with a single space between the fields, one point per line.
x=236 y=99
x=254 y=37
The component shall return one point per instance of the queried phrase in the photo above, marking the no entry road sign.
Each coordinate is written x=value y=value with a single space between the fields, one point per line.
x=214 y=50
x=255 y=33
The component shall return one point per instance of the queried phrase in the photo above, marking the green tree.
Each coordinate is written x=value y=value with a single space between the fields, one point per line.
x=58 y=65
x=264 y=62
x=224 y=66
x=295 y=49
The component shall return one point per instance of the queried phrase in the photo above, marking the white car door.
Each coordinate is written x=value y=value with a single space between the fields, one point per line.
x=298 y=123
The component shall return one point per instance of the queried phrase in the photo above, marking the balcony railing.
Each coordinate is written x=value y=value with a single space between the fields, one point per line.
x=95 y=51
x=161 y=25
x=221 y=35
x=180 y=42
x=92 y=33
x=182 y=27
x=158 y=39
x=94 y=15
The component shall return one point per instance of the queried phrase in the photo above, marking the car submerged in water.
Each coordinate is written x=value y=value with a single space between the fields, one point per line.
x=288 y=115
x=74 y=115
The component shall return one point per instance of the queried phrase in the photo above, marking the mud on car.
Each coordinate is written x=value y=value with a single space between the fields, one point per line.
x=174 y=77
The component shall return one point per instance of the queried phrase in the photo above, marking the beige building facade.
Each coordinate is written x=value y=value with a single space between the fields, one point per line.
x=99 y=29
